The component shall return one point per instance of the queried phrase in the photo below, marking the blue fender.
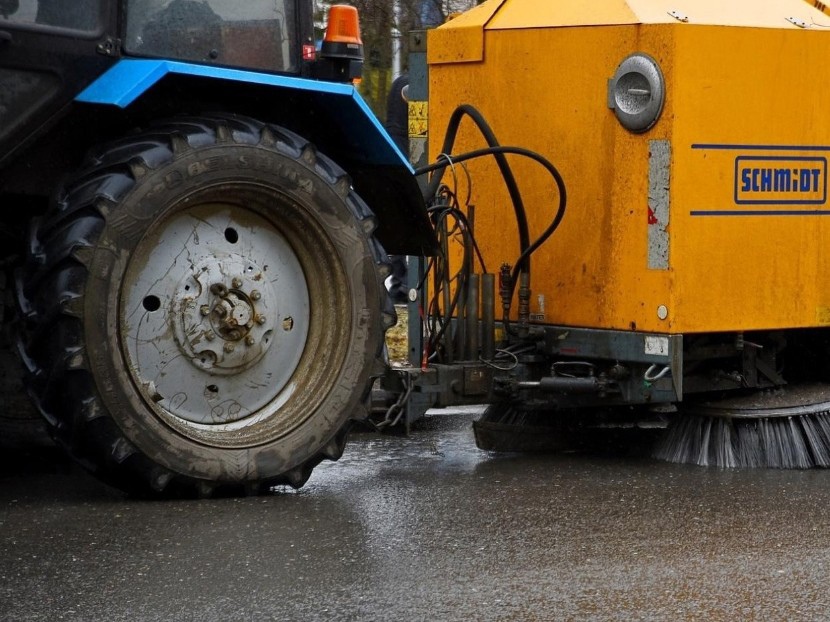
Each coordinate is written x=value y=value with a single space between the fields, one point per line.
x=334 y=116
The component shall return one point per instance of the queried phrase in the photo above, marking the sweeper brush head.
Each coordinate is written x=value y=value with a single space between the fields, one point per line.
x=787 y=428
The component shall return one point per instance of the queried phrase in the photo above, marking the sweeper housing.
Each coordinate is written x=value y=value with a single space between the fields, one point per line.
x=693 y=255
x=709 y=218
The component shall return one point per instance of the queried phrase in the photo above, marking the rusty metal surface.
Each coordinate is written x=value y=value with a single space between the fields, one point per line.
x=424 y=528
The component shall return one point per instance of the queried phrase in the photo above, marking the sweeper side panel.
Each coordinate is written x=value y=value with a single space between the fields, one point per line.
x=707 y=218
x=750 y=237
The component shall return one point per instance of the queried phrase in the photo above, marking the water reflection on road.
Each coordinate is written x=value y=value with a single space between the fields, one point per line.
x=425 y=528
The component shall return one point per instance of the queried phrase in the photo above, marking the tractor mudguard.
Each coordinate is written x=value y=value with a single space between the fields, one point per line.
x=333 y=116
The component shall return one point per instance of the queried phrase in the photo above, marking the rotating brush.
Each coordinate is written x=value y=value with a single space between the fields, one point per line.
x=788 y=428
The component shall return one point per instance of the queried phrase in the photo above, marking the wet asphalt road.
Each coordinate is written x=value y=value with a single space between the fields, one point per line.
x=425 y=528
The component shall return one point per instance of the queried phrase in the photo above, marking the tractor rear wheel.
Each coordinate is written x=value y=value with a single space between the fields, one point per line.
x=205 y=309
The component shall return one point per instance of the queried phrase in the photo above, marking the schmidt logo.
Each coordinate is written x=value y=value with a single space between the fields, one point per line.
x=780 y=180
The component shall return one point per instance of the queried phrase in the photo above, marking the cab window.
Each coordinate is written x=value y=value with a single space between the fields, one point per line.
x=257 y=34
x=81 y=15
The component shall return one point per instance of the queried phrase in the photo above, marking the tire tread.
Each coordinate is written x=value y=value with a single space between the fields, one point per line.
x=51 y=291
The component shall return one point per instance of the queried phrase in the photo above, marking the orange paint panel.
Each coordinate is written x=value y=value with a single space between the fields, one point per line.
x=749 y=180
x=747 y=225
x=461 y=40
x=521 y=14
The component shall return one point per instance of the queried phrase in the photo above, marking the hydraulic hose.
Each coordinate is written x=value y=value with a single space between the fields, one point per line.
x=509 y=180
x=560 y=184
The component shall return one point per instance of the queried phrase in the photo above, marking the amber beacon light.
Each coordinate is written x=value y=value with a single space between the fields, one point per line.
x=342 y=38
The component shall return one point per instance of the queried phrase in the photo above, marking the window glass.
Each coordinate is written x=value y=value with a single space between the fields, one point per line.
x=75 y=14
x=258 y=34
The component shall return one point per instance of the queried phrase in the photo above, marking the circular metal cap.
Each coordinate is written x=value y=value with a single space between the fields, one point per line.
x=637 y=92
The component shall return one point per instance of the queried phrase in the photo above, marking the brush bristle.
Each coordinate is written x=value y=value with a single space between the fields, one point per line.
x=797 y=442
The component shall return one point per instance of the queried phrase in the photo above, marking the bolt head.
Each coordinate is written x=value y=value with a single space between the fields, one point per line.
x=255 y=295
x=249 y=340
x=210 y=335
x=228 y=347
x=204 y=310
x=236 y=283
x=260 y=319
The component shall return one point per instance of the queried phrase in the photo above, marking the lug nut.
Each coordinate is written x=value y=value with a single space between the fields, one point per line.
x=249 y=340
x=204 y=310
x=260 y=319
x=229 y=347
x=236 y=283
x=255 y=295
x=210 y=335
x=218 y=289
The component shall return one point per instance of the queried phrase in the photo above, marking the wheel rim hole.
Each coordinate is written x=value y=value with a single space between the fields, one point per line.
x=288 y=324
x=151 y=303
x=231 y=235
x=207 y=359
x=212 y=388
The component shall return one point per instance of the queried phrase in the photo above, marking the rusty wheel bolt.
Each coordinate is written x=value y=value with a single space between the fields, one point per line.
x=236 y=283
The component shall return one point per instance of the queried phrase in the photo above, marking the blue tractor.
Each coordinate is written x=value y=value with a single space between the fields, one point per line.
x=197 y=207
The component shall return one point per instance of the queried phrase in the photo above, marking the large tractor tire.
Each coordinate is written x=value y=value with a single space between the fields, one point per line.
x=205 y=309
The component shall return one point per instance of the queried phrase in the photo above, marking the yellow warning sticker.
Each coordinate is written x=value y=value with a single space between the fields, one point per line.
x=418 y=112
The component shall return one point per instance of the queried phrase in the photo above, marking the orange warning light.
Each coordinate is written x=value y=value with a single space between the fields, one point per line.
x=342 y=39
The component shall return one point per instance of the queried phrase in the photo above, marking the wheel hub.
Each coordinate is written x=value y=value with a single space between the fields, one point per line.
x=225 y=315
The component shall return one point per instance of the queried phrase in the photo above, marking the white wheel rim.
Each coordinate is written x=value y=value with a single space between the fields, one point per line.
x=215 y=314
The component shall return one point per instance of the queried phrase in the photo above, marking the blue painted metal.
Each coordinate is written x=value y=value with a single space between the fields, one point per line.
x=128 y=79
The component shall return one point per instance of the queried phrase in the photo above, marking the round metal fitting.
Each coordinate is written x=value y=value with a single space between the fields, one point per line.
x=637 y=92
x=209 y=304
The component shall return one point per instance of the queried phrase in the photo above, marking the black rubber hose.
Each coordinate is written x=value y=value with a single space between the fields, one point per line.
x=504 y=166
x=560 y=184
x=462 y=218
x=461 y=277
